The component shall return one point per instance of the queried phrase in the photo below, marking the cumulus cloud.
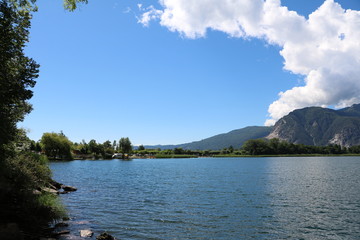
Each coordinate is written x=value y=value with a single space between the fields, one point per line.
x=324 y=47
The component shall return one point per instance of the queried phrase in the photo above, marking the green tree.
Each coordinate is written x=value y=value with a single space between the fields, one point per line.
x=125 y=146
x=179 y=151
x=114 y=146
x=108 y=149
x=30 y=5
x=56 y=145
x=141 y=148
x=231 y=149
x=21 y=171
x=17 y=71
x=256 y=147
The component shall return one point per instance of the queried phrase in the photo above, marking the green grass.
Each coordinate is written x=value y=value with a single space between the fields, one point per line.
x=53 y=203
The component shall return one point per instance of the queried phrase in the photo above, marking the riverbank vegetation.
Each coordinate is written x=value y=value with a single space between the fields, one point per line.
x=58 y=147
x=26 y=204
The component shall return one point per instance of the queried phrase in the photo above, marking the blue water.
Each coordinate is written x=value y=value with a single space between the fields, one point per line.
x=215 y=198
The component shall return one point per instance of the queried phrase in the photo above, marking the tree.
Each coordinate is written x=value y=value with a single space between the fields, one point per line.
x=141 y=148
x=114 y=146
x=56 y=145
x=178 y=151
x=20 y=170
x=29 y=5
x=125 y=146
x=17 y=71
x=256 y=147
x=108 y=149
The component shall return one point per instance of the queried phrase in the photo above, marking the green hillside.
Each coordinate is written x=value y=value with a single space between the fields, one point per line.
x=235 y=138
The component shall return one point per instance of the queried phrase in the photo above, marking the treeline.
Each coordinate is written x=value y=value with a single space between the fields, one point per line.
x=277 y=147
x=58 y=146
x=256 y=147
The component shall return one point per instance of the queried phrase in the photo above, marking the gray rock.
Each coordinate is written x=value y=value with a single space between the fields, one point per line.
x=49 y=190
x=105 y=236
x=68 y=188
x=55 y=184
x=61 y=233
x=86 y=233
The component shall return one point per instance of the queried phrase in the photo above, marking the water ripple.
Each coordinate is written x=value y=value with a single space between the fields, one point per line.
x=257 y=198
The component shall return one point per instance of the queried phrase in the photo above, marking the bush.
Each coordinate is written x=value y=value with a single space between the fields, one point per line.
x=21 y=177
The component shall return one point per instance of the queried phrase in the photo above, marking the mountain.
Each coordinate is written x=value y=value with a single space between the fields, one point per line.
x=320 y=126
x=235 y=138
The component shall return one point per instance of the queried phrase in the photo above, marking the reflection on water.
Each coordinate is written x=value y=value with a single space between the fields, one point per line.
x=316 y=198
x=238 y=198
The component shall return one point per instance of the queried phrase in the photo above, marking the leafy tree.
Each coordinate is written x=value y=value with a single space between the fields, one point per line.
x=256 y=147
x=231 y=149
x=125 y=146
x=108 y=149
x=29 y=5
x=179 y=151
x=56 y=145
x=141 y=148
x=107 y=144
x=93 y=146
x=21 y=172
x=83 y=147
x=17 y=71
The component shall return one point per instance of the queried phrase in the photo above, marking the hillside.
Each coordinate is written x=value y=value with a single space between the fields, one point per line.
x=320 y=126
x=235 y=138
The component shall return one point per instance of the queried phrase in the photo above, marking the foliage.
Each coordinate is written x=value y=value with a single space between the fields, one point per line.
x=51 y=201
x=278 y=147
x=30 y=5
x=20 y=176
x=17 y=72
x=22 y=172
x=92 y=149
x=125 y=145
x=56 y=146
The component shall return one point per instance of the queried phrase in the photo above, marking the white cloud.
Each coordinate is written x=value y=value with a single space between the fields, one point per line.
x=150 y=13
x=324 y=48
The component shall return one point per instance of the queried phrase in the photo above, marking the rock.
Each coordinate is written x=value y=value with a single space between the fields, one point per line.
x=68 y=188
x=49 y=190
x=61 y=233
x=86 y=233
x=61 y=224
x=105 y=236
x=55 y=184
x=64 y=192
x=36 y=192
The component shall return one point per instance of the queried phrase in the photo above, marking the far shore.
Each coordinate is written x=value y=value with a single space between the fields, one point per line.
x=216 y=156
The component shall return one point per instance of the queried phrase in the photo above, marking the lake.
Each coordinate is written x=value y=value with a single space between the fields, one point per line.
x=215 y=198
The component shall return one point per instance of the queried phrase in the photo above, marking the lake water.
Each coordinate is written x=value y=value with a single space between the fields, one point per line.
x=215 y=198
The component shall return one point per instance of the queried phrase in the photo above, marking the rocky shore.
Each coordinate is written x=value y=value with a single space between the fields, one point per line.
x=61 y=230
x=64 y=230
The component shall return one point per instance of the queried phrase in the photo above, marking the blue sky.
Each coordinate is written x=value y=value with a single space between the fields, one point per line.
x=105 y=76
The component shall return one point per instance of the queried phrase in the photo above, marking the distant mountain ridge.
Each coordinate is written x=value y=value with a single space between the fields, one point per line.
x=310 y=126
x=320 y=126
x=235 y=138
